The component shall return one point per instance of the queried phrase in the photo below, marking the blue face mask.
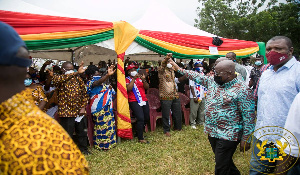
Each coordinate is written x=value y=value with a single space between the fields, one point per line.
x=198 y=69
x=257 y=63
x=27 y=82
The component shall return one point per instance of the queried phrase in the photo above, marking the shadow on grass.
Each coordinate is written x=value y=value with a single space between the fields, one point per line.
x=185 y=152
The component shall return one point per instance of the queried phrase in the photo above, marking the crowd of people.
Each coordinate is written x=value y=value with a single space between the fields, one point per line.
x=230 y=99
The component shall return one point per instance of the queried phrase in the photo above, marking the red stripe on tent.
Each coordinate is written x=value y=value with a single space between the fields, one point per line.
x=122 y=90
x=123 y=117
x=199 y=42
x=26 y=23
x=121 y=56
x=121 y=69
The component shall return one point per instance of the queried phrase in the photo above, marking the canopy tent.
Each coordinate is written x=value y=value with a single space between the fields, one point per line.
x=158 y=17
x=44 y=32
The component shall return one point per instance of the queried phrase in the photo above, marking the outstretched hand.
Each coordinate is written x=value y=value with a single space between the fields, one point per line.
x=48 y=62
x=111 y=70
x=50 y=73
x=81 y=69
x=143 y=77
x=174 y=65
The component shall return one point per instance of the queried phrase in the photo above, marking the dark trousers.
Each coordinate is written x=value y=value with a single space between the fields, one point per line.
x=224 y=150
x=69 y=124
x=142 y=117
x=174 y=105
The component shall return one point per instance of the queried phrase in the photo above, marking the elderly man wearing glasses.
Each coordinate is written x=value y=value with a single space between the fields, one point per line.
x=229 y=117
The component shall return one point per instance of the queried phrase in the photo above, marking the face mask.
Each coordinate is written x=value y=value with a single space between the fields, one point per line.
x=169 y=65
x=199 y=69
x=257 y=63
x=27 y=82
x=218 y=80
x=275 y=58
x=69 y=72
x=247 y=64
x=133 y=73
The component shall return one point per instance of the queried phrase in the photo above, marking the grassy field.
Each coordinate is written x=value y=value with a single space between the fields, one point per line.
x=185 y=152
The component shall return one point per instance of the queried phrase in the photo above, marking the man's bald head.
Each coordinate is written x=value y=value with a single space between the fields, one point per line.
x=66 y=66
x=226 y=66
x=220 y=59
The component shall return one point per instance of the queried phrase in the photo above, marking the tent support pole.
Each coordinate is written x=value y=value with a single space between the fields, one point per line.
x=72 y=56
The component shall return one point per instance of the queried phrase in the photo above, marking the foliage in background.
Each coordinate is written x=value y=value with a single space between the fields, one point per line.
x=254 y=20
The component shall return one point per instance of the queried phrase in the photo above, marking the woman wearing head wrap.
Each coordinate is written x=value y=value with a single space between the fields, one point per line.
x=101 y=97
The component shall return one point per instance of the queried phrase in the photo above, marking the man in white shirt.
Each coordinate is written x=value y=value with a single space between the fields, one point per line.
x=277 y=89
x=248 y=67
x=292 y=127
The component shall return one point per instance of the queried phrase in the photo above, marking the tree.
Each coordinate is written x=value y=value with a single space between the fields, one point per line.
x=247 y=21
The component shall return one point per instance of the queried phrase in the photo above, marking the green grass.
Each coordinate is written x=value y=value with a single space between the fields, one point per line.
x=185 y=152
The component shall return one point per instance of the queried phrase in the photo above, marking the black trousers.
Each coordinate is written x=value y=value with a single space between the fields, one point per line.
x=69 y=124
x=142 y=115
x=224 y=150
x=174 y=105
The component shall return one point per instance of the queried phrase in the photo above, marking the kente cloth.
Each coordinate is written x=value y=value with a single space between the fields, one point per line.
x=101 y=101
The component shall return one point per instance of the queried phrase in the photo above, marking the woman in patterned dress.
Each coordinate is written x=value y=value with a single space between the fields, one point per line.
x=101 y=97
x=38 y=94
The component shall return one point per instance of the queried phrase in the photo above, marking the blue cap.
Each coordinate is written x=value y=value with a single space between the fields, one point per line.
x=10 y=43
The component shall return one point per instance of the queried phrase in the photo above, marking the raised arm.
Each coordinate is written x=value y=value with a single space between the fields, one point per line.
x=145 y=84
x=131 y=83
x=192 y=75
x=59 y=79
x=110 y=72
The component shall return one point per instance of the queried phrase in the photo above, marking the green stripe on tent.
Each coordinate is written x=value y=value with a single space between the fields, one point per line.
x=163 y=51
x=69 y=42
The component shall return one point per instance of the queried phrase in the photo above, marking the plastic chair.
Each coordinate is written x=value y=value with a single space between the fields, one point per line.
x=154 y=105
x=153 y=91
x=184 y=100
x=187 y=90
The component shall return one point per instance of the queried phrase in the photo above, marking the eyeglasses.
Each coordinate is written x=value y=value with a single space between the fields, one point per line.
x=220 y=72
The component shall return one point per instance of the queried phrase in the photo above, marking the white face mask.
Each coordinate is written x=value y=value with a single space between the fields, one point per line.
x=169 y=65
x=133 y=73
x=69 y=72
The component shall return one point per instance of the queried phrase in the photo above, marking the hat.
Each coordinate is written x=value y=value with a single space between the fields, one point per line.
x=9 y=46
x=131 y=66
x=198 y=62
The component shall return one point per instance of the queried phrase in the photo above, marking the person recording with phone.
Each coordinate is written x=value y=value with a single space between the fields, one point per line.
x=136 y=85
x=169 y=96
